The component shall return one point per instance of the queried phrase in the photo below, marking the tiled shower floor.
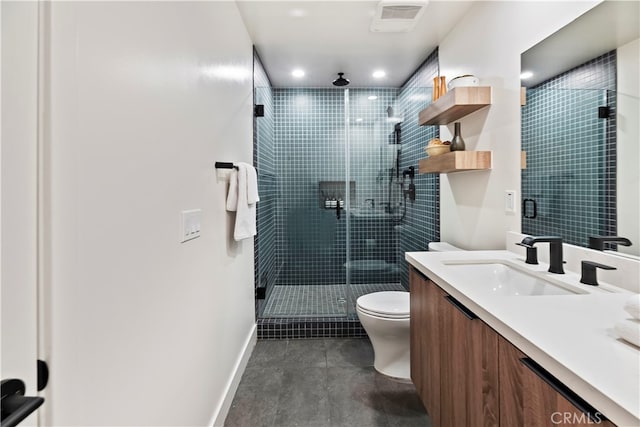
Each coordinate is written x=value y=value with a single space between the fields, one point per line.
x=320 y=300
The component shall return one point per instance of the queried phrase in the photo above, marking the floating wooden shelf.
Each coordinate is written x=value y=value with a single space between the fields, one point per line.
x=456 y=103
x=456 y=161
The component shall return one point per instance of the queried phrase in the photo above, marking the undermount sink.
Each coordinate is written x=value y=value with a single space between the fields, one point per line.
x=503 y=279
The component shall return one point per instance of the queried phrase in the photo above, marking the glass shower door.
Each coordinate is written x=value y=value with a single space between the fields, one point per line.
x=376 y=210
x=309 y=209
x=334 y=201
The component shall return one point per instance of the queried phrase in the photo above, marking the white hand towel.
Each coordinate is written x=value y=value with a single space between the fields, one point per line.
x=629 y=330
x=238 y=201
x=232 y=196
x=252 y=185
x=632 y=306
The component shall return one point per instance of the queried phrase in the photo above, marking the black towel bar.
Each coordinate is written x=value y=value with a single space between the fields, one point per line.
x=225 y=165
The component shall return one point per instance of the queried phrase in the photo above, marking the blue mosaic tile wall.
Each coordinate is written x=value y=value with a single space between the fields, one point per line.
x=266 y=261
x=422 y=223
x=571 y=153
x=308 y=160
x=311 y=163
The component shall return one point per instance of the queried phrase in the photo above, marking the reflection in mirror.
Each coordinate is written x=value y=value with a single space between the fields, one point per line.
x=580 y=129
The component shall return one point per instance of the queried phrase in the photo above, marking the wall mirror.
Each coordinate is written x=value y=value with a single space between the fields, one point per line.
x=580 y=129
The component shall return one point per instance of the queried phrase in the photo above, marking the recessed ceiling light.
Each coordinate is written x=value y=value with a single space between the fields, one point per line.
x=372 y=97
x=297 y=73
x=526 y=75
x=378 y=74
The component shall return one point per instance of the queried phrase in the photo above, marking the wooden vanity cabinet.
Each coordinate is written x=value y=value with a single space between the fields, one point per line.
x=425 y=299
x=511 y=384
x=532 y=397
x=469 y=375
x=454 y=358
x=469 y=368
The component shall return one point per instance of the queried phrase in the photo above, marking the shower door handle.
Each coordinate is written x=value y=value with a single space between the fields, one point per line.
x=525 y=203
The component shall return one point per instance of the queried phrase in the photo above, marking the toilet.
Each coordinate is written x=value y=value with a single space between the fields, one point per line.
x=385 y=318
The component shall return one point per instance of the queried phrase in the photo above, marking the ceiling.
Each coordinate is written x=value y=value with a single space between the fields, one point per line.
x=327 y=37
x=602 y=29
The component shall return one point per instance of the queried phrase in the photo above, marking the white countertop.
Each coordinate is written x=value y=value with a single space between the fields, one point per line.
x=571 y=336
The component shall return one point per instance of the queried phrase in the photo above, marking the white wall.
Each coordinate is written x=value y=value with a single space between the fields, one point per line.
x=488 y=42
x=628 y=146
x=18 y=152
x=144 y=330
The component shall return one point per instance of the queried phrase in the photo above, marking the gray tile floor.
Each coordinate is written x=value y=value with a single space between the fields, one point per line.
x=323 y=383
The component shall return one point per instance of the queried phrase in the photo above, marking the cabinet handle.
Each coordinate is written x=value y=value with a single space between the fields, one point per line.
x=457 y=304
x=580 y=404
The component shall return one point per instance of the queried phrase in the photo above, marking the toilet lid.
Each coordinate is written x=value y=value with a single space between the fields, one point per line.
x=386 y=304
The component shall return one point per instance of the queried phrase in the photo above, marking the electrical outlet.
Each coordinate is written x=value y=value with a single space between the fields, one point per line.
x=510 y=201
x=190 y=224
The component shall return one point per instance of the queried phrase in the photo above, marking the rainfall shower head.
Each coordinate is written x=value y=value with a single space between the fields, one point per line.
x=340 y=81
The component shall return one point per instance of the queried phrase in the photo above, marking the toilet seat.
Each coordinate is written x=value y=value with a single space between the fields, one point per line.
x=386 y=305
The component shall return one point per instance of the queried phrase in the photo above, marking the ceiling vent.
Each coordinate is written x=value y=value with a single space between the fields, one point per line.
x=397 y=16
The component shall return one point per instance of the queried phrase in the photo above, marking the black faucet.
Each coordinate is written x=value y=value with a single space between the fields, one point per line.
x=597 y=242
x=532 y=253
x=589 y=272
x=555 y=251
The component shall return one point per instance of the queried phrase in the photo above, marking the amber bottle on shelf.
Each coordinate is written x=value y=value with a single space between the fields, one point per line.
x=443 y=86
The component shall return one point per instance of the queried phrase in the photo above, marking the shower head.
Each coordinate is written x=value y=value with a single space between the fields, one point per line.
x=340 y=81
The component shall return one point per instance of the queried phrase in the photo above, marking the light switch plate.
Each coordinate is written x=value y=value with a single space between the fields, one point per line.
x=190 y=222
x=510 y=201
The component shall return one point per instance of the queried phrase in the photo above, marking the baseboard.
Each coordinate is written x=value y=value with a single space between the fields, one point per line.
x=217 y=420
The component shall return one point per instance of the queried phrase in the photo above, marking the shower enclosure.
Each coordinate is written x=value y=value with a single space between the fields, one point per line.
x=333 y=196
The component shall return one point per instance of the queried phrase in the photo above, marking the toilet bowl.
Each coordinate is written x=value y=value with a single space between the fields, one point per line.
x=385 y=318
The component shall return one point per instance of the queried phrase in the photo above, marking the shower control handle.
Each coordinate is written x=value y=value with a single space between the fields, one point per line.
x=411 y=192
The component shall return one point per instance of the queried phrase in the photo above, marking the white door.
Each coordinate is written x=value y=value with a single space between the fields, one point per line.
x=19 y=194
